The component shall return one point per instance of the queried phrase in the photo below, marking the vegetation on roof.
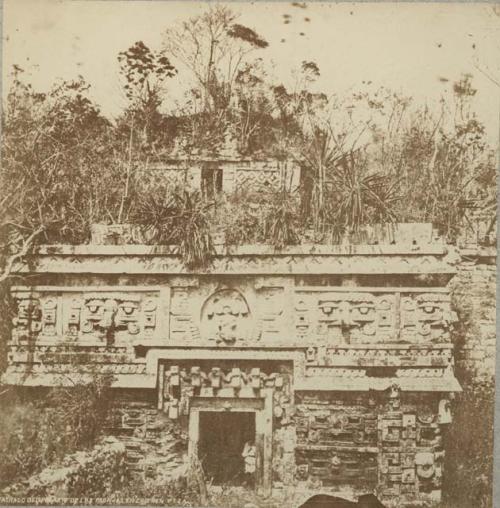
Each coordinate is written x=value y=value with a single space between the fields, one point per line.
x=365 y=157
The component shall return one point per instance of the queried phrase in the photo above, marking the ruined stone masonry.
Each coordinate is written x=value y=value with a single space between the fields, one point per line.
x=315 y=367
x=335 y=362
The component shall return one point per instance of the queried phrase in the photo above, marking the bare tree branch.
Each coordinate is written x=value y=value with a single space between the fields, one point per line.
x=18 y=256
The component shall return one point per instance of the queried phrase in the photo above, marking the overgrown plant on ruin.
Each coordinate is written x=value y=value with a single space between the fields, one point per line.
x=353 y=173
x=247 y=288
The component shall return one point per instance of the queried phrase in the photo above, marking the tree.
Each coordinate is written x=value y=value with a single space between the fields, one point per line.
x=213 y=48
x=440 y=159
x=60 y=167
x=145 y=74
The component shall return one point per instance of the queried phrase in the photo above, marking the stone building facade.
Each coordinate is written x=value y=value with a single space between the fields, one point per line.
x=224 y=174
x=332 y=365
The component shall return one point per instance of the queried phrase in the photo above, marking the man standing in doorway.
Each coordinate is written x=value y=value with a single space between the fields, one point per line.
x=249 y=458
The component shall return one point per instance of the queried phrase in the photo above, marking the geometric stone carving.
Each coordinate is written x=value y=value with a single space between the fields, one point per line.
x=178 y=383
x=336 y=444
x=182 y=326
x=379 y=355
x=81 y=316
x=270 y=312
x=28 y=321
x=410 y=452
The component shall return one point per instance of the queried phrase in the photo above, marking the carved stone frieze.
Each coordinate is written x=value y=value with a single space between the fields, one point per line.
x=354 y=318
x=69 y=314
x=345 y=317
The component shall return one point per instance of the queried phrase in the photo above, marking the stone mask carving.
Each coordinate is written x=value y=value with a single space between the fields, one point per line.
x=226 y=315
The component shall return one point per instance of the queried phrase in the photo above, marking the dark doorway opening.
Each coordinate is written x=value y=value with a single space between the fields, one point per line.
x=211 y=181
x=221 y=447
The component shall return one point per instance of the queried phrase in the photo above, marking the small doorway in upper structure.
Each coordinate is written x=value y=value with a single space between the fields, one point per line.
x=211 y=181
x=225 y=447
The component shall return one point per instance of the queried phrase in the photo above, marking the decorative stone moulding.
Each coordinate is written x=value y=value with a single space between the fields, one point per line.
x=380 y=355
x=254 y=260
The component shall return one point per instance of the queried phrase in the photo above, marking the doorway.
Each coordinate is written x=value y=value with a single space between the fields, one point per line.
x=224 y=439
x=211 y=181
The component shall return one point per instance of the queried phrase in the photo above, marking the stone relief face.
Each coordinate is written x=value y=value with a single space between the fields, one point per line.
x=226 y=317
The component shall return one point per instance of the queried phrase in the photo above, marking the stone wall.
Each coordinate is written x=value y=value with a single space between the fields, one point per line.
x=155 y=445
x=370 y=441
x=263 y=332
x=474 y=297
x=342 y=442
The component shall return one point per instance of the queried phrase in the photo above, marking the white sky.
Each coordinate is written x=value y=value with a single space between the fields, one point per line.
x=402 y=46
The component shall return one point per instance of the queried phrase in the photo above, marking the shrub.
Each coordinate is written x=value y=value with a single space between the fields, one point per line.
x=25 y=440
x=37 y=432
x=81 y=410
x=180 y=217
x=99 y=477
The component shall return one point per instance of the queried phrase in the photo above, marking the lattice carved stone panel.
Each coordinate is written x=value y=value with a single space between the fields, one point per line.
x=267 y=177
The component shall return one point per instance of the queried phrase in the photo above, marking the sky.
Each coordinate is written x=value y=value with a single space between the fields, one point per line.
x=416 y=49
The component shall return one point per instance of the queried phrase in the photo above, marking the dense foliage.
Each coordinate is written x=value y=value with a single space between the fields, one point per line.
x=36 y=433
x=364 y=158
